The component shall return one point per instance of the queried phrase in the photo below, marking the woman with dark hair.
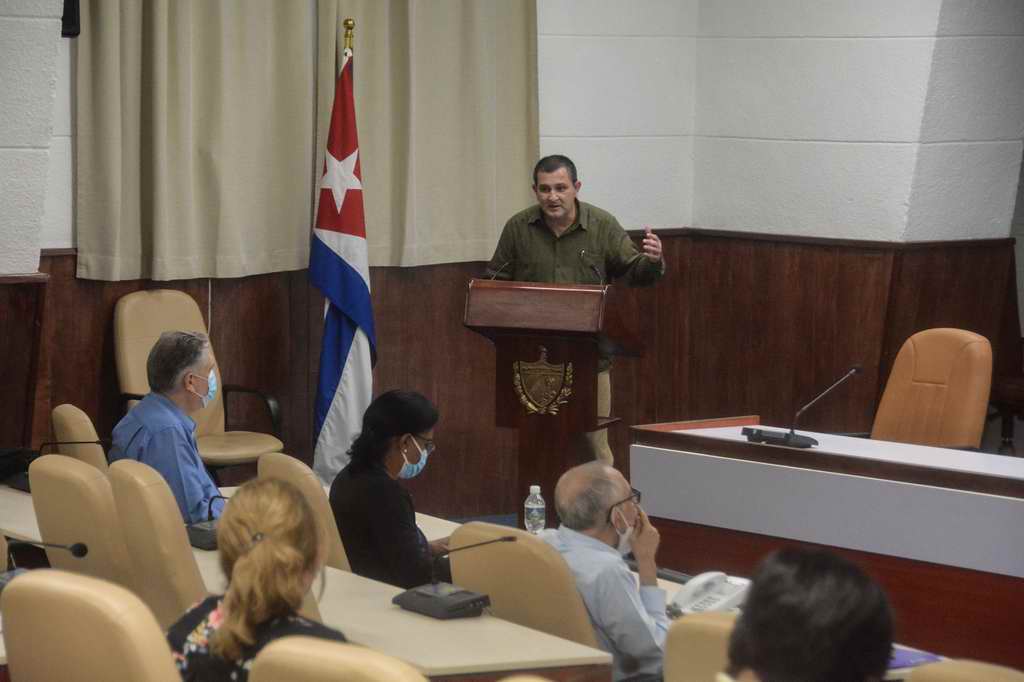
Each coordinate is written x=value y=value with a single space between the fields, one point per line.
x=374 y=513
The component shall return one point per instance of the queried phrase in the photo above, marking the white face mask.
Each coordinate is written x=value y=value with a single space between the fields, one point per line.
x=625 y=537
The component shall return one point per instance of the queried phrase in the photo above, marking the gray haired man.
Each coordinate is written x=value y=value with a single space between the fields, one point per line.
x=601 y=523
x=159 y=432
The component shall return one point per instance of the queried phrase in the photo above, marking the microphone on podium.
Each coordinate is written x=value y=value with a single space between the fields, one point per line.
x=586 y=261
x=444 y=600
x=791 y=438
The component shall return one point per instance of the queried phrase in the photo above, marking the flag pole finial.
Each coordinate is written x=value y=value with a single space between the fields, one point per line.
x=349 y=25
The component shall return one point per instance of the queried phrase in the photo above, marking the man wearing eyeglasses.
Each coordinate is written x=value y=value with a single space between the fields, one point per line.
x=601 y=523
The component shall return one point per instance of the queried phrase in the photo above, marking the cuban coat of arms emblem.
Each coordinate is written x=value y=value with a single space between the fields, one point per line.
x=542 y=386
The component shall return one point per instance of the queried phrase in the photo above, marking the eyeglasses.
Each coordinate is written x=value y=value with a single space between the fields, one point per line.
x=428 y=443
x=634 y=495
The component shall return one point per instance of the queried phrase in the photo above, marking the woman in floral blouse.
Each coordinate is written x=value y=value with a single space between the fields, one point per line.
x=271 y=550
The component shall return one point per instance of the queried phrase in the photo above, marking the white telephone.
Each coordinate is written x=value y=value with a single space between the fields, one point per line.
x=711 y=591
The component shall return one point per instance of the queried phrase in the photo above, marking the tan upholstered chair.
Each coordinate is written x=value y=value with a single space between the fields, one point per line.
x=528 y=581
x=287 y=468
x=308 y=659
x=964 y=671
x=938 y=390
x=71 y=424
x=139 y=319
x=61 y=626
x=697 y=646
x=156 y=541
x=74 y=503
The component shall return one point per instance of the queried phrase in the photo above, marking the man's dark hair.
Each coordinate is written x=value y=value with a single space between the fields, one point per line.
x=812 y=616
x=549 y=164
x=391 y=414
x=172 y=355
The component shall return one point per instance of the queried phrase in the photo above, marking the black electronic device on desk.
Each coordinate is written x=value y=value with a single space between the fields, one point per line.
x=203 y=534
x=791 y=438
x=444 y=600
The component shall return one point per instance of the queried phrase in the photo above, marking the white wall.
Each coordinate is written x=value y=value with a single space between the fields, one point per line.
x=57 y=228
x=29 y=38
x=616 y=83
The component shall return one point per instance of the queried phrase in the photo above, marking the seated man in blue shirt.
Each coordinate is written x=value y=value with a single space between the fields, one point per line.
x=601 y=523
x=158 y=430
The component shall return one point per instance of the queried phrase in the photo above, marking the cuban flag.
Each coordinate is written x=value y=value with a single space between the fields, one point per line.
x=338 y=267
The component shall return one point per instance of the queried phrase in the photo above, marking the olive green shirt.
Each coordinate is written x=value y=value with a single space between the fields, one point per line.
x=593 y=250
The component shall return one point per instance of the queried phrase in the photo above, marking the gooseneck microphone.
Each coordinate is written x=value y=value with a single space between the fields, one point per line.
x=77 y=549
x=586 y=261
x=437 y=559
x=499 y=270
x=444 y=600
x=791 y=438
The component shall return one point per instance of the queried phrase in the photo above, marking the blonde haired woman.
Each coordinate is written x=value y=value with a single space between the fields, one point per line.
x=271 y=552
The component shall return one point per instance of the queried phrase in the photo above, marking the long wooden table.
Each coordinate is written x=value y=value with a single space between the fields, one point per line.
x=474 y=649
x=940 y=529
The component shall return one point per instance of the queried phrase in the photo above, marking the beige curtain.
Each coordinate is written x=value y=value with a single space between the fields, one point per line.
x=194 y=138
x=446 y=104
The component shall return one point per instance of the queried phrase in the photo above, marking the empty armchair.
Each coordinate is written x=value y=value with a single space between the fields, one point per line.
x=938 y=390
x=103 y=631
x=307 y=659
x=72 y=425
x=528 y=581
x=697 y=646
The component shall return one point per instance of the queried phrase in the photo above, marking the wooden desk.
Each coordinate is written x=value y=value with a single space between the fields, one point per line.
x=940 y=529
x=483 y=648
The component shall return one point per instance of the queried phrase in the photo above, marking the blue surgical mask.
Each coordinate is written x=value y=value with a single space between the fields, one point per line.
x=410 y=470
x=211 y=388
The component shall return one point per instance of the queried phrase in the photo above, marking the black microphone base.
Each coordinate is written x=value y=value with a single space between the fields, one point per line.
x=786 y=438
x=442 y=601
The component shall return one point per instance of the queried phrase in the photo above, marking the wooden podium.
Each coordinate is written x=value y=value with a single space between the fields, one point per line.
x=548 y=338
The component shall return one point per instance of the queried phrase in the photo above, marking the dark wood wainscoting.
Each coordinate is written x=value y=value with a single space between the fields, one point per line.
x=741 y=324
x=955 y=611
x=22 y=304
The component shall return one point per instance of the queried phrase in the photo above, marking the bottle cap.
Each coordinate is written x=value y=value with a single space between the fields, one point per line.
x=535 y=490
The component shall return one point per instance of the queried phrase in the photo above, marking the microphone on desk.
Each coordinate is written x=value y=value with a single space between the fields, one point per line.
x=791 y=438
x=586 y=261
x=77 y=549
x=444 y=600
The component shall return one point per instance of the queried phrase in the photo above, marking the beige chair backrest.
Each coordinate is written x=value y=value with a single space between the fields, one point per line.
x=309 y=659
x=139 y=319
x=156 y=540
x=938 y=390
x=528 y=581
x=71 y=424
x=697 y=646
x=62 y=626
x=74 y=503
x=3 y=553
x=964 y=671
x=287 y=468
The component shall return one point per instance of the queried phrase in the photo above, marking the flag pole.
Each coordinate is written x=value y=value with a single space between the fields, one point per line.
x=349 y=25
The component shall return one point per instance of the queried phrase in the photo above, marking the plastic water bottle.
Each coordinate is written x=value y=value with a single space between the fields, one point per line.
x=535 y=512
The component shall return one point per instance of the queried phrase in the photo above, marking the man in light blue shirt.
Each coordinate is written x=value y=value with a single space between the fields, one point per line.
x=601 y=522
x=158 y=430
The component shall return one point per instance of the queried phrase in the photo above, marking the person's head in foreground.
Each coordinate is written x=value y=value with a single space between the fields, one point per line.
x=398 y=434
x=271 y=549
x=811 y=616
x=180 y=366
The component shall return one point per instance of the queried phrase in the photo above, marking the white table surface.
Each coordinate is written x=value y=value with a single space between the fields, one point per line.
x=944 y=459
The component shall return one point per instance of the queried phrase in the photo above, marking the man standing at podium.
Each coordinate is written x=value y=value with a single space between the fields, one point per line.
x=566 y=241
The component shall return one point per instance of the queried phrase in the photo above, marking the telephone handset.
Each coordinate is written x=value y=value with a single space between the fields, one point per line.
x=711 y=591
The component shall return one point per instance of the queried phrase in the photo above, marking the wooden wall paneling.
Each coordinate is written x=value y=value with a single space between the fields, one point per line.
x=22 y=310
x=960 y=285
x=772 y=324
x=297 y=401
x=956 y=612
x=250 y=319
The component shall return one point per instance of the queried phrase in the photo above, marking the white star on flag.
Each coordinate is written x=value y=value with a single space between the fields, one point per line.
x=340 y=177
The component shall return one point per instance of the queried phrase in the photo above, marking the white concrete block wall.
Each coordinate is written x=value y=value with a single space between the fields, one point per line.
x=29 y=37
x=57 y=227
x=616 y=84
